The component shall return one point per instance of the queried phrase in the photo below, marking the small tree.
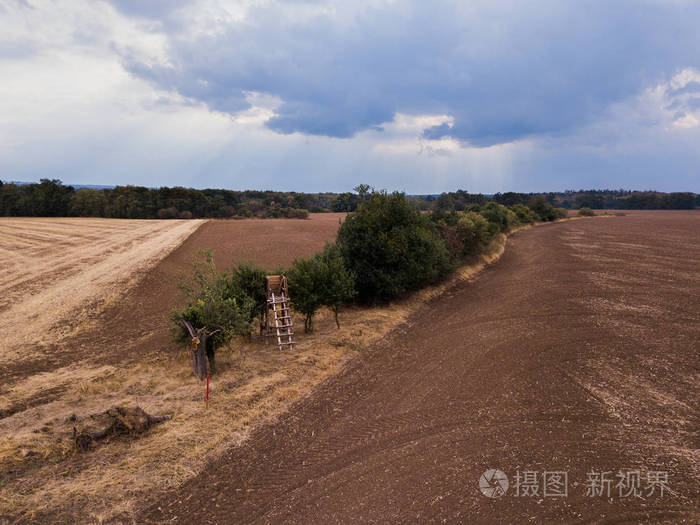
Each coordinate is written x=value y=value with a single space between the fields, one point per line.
x=305 y=288
x=473 y=233
x=525 y=215
x=213 y=314
x=247 y=280
x=364 y=191
x=321 y=280
x=586 y=212
x=543 y=209
x=338 y=283
x=499 y=217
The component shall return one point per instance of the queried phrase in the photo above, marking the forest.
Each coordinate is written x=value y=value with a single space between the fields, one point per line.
x=51 y=198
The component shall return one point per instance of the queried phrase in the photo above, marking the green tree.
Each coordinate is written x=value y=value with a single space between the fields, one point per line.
x=543 y=209
x=525 y=215
x=87 y=202
x=391 y=247
x=364 y=191
x=305 y=288
x=321 y=280
x=248 y=280
x=49 y=198
x=338 y=283
x=499 y=217
x=473 y=233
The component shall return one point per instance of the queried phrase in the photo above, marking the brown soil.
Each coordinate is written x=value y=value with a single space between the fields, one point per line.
x=578 y=351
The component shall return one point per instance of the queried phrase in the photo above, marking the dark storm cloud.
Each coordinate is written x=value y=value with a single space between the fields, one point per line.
x=503 y=70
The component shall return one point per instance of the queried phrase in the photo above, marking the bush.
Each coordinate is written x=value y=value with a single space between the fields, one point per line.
x=545 y=211
x=473 y=233
x=561 y=213
x=499 y=217
x=586 y=212
x=212 y=310
x=464 y=233
x=248 y=281
x=391 y=247
x=304 y=278
x=296 y=213
x=167 y=213
x=321 y=280
x=525 y=215
x=339 y=282
x=184 y=215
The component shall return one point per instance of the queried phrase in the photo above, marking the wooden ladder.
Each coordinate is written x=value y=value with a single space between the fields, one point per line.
x=284 y=329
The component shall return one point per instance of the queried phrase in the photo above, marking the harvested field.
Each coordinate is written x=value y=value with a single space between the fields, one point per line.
x=577 y=352
x=60 y=271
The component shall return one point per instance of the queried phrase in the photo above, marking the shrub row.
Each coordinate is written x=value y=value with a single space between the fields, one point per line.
x=389 y=247
x=384 y=249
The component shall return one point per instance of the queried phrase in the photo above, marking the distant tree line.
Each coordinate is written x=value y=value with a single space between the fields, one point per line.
x=594 y=199
x=50 y=198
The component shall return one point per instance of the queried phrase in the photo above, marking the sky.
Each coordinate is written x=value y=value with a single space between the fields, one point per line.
x=315 y=95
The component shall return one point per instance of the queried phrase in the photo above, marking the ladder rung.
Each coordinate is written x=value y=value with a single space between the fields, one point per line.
x=284 y=328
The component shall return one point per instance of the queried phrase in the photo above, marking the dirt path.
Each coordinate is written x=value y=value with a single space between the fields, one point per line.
x=577 y=352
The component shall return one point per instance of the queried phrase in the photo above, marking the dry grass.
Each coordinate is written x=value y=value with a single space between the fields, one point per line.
x=255 y=384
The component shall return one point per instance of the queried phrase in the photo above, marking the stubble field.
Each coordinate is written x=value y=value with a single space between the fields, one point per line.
x=56 y=272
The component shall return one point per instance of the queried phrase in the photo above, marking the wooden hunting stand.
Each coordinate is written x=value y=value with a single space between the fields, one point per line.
x=278 y=315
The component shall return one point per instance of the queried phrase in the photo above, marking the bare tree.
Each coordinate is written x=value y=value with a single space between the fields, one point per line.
x=199 y=345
